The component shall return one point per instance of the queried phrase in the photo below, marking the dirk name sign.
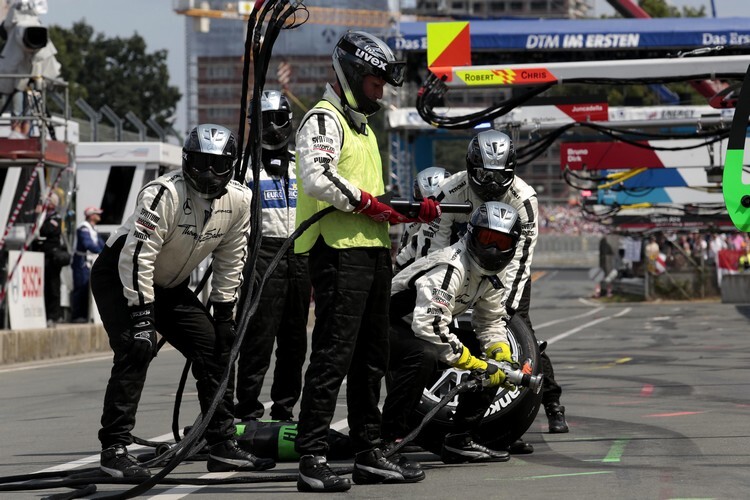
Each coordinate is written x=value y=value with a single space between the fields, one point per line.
x=26 y=291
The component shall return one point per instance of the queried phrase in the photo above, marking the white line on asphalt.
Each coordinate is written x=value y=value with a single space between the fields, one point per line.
x=586 y=325
x=556 y=321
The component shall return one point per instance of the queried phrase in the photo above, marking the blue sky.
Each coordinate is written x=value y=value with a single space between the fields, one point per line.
x=162 y=28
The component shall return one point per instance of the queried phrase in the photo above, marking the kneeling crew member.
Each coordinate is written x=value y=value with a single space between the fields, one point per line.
x=425 y=298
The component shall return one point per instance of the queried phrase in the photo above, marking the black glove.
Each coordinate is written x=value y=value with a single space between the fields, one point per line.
x=142 y=334
x=223 y=327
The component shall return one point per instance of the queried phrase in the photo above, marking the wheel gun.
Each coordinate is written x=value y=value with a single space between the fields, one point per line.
x=411 y=208
x=514 y=375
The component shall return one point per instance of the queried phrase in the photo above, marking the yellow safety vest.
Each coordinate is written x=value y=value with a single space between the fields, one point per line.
x=360 y=164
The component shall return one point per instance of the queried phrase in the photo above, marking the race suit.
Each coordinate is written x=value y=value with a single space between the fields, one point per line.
x=149 y=260
x=425 y=298
x=350 y=271
x=284 y=303
x=88 y=246
x=517 y=276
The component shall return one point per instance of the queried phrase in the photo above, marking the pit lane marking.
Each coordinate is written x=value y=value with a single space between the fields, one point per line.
x=586 y=325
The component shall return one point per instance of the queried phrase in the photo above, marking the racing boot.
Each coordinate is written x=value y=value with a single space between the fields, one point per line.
x=521 y=447
x=227 y=456
x=371 y=467
x=556 y=418
x=461 y=448
x=116 y=462
x=398 y=458
x=316 y=476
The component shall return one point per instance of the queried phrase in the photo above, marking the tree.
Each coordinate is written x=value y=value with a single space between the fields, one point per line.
x=116 y=71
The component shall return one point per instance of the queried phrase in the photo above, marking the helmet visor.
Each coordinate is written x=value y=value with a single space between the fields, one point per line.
x=489 y=238
x=486 y=176
x=202 y=162
x=278 y=118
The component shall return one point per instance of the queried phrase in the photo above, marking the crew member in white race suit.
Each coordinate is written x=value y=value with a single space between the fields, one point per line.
x=425 y=299
x=426 y=185
x=285 y=299
x=490 y=176
x=140 y=284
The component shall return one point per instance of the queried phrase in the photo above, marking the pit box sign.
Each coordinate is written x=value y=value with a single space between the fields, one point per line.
x=26 y=291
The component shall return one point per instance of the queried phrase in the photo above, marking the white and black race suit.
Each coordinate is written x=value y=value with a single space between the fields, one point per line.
x=425 y=298
x=148 y=261
x=284 y=304
x=517 y=275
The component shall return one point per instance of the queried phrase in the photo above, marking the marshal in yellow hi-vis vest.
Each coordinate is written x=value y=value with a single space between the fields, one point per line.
x=360 y=164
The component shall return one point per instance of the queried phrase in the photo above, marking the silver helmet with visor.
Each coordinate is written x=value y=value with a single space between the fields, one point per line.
x=276 y=115
x=208 y=157
x=492 y=235
x=428 y=181
x=491 y=164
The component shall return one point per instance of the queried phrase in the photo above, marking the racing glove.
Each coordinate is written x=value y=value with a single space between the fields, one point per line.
x=489 y=374
x=223 y=327
x=492 y=376
x=379 y=211
x=142 y=341
x=500 y=351
x=469 y=362
x=429 y=210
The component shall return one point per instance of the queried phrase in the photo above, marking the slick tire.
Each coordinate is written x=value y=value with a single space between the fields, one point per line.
x=511 y=413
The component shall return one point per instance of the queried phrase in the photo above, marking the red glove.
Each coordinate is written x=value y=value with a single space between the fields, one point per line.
x=378 y=211
x=429 y=210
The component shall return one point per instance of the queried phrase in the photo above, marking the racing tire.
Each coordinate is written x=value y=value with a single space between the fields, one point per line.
x=511 y=413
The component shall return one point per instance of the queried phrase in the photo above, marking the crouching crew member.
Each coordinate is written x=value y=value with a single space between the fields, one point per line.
x=140 y=285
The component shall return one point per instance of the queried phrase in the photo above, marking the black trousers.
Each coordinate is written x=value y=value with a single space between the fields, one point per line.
x=551 y=390
x=281 y=317
x=184 y=321
x=52 y=289
x=414 y=363
x=350 y=339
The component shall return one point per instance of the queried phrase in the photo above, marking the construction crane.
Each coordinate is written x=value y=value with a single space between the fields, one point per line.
x=361 y=18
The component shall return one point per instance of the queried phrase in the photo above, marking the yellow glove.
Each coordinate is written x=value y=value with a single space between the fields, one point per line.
x=500 y=351
x=495 y=376
x=469 y=362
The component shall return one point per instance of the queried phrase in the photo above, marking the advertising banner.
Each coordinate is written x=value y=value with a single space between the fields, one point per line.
x=26 y=291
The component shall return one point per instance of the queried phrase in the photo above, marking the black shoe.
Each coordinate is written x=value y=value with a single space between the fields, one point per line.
x=521 y=447
x=371 y=467
x=556 y=418
x=228 y=456
x=316 y=476
x=460 y=448
x=116 y=462
x=400 y=459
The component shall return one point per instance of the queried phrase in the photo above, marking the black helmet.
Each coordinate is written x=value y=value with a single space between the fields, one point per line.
x=276 y=114
x=208 y=157
x=492 y=235
x=491 y=164
x=358 y=54
x=428 y=181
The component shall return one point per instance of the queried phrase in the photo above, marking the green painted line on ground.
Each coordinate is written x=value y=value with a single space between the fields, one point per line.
x=616 y=450
x=549 y=476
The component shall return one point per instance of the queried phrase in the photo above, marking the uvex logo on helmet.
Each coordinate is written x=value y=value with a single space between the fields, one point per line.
x=370 y=58
x=494 y=151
